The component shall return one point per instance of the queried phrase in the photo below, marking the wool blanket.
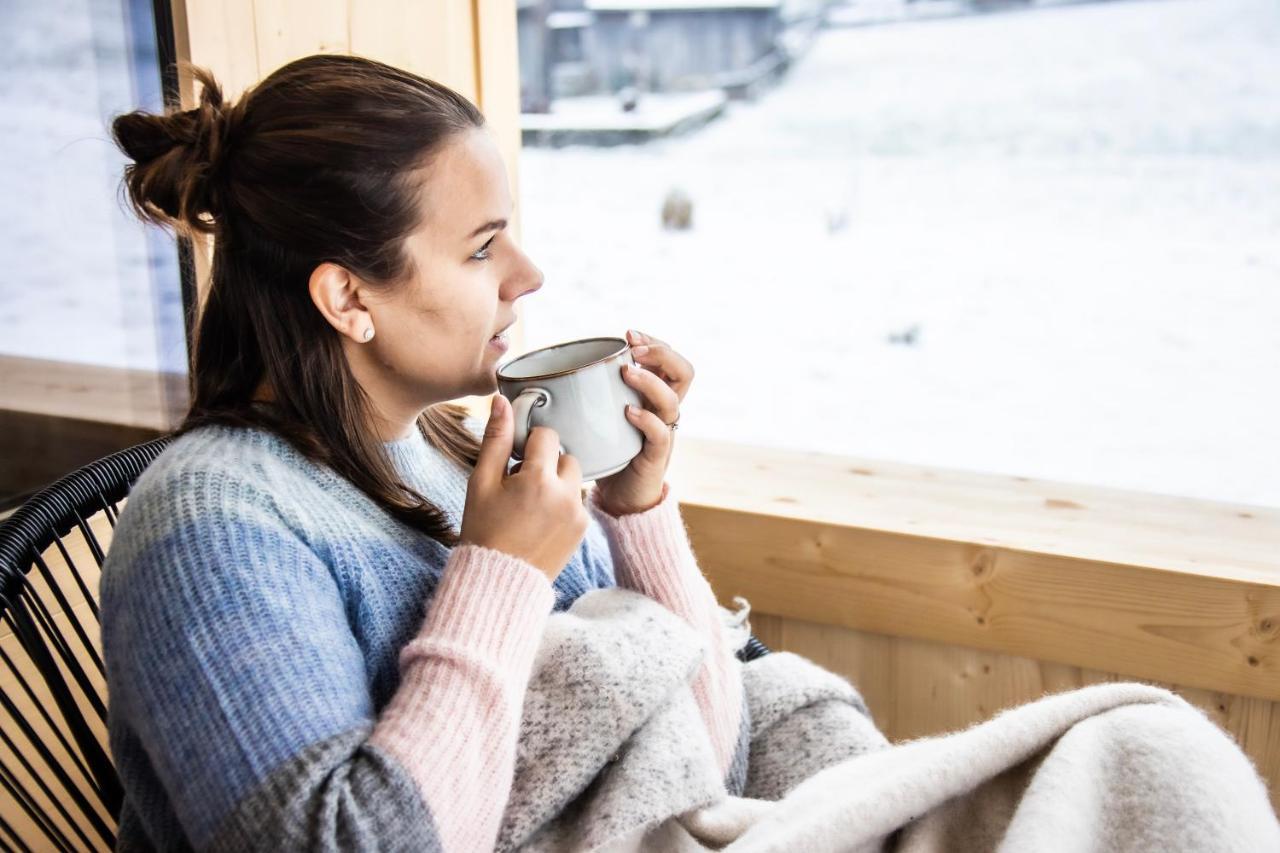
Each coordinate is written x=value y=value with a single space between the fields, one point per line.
x=613 y=757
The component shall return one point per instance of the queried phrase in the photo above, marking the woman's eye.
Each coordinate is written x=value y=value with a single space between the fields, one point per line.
x=483 y=253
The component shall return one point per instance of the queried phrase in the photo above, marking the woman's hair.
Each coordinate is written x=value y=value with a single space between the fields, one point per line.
x=318 y=162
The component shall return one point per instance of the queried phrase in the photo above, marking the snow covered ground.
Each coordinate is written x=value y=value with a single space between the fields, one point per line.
x=1077 y=207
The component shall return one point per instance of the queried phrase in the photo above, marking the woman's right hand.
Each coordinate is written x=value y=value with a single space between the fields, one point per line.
x=534 y=513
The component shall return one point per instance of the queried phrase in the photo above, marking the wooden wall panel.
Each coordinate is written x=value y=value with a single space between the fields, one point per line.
x=436 y=40
x=287 y=29
x=1214 y=628
x=916 y=687
x=221 y=37
x=498 y=86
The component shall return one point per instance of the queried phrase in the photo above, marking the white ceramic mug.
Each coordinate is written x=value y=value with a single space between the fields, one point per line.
x=576 y=388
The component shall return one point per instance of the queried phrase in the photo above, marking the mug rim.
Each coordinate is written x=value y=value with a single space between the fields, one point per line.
x=554 y=374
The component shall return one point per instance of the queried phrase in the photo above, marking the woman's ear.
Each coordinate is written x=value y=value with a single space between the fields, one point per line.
x=334 y=290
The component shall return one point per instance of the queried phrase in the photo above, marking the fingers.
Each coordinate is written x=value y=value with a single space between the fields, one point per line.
x=539 y=448
x=659 y=396
x=657 y=435
x=495 y=446
x=566 y=463
x=542 y=448
x=661 y=359
x=635 y=336
x=568 y=466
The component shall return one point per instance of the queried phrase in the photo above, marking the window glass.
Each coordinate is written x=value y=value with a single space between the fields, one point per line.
x=91 y=303
x=1040 y=239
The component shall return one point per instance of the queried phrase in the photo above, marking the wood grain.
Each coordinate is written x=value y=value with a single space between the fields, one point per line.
x=91 y=392
x=915 y=688
x=1166 y=532
x=988 y=570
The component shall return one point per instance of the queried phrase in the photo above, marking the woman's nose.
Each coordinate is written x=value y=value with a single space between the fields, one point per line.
x=531 y=280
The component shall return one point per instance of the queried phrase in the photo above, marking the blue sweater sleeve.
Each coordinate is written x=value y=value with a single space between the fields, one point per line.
x=231 y=662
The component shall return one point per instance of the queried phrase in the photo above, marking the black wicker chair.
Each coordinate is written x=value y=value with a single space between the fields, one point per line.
x=81 y=791
x=51 y=631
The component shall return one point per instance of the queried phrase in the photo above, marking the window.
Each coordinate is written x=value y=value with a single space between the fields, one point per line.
x=1040 y=241
x=92 y=301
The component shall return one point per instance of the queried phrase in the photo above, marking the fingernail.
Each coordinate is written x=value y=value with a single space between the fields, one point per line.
x=640 y=350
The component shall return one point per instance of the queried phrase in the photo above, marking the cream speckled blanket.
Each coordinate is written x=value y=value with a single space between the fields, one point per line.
x=1122 y=767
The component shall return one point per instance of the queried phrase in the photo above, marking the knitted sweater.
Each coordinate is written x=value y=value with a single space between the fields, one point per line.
x=290 y=667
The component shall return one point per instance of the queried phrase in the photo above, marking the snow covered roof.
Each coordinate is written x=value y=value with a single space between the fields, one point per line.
x=568 y=19
x=680 y=5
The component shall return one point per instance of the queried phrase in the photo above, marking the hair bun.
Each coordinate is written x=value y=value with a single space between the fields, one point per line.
x=178 y=174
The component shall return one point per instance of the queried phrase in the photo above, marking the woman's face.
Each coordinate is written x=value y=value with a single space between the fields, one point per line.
x=434 y=331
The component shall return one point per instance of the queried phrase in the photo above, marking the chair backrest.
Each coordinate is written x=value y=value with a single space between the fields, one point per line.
x=60 y=789
x=752 y=650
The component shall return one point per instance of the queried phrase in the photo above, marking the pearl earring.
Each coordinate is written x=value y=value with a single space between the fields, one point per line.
x=368 y=333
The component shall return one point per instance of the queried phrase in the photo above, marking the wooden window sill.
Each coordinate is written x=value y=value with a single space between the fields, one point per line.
x=92 y=393
x=1155 y=587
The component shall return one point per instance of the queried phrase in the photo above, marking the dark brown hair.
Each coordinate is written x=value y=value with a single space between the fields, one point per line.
x=315 y=163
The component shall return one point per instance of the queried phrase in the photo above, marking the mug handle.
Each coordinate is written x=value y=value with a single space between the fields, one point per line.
x=522 y=409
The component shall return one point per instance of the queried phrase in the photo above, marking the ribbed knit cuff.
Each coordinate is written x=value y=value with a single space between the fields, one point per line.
x=490 y=602
x=651 y=552
x=652 y=555
x=455 y=719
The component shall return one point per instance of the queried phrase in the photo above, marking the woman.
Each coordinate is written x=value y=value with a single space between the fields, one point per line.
x=323 y=599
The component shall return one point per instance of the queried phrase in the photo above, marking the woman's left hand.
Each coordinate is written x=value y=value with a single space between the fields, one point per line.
x=663 y=385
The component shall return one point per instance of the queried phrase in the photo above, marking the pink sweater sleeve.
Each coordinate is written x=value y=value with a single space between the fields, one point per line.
x=455 y=719
x=652 y=555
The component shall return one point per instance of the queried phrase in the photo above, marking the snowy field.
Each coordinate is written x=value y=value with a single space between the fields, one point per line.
x=1077 y=208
